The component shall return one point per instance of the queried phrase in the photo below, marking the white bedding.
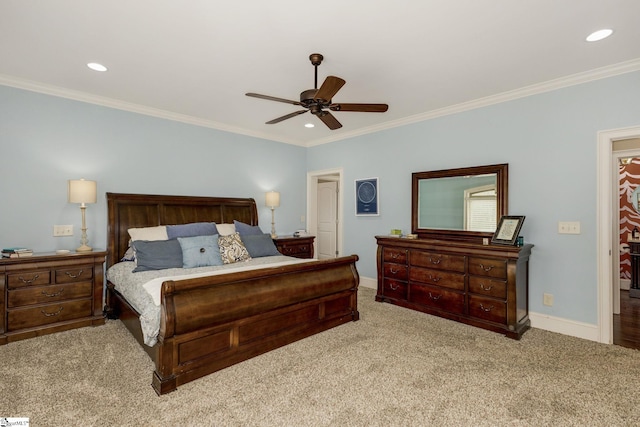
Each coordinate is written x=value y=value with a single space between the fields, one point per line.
x=142 y=289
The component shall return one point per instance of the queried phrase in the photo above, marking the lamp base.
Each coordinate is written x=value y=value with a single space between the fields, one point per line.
x=84 y=248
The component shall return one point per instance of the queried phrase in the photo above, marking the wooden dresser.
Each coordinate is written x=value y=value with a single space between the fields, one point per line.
x=299 y=247
x=48 y=293
x=480 y=285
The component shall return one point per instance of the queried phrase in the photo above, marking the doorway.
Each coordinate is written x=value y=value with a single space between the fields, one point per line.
x=608 y=227
x=325 y=211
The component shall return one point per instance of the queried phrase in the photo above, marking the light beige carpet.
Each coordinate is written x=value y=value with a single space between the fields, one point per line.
x=393 y=367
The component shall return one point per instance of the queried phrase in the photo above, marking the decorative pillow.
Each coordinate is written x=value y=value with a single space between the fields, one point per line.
x=157 y=255
x=232 y=249
x=246 y=229
x=149 y=233
x=129 y=255
x=200 y=251
x=225 y=229
x=191 y=230
x=259 y=245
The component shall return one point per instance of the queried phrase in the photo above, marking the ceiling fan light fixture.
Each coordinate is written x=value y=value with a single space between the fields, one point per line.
x=599 y=35
x=309 y=125
x=96 y=66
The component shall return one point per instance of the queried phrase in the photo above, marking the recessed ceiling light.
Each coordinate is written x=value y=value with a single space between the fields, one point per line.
x=599 y=35
x=309 y=125
x=96 y=67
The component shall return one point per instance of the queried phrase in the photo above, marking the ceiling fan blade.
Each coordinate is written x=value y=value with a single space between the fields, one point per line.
x=288 y=116
x=272 y=98
x=329 y=120
x=330 y=87
x=365 y=108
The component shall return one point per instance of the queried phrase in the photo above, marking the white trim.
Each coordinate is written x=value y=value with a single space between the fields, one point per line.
x=368 y=282
x=559 y=325
x=312 y=200
x=559 y=83
x=604 y=220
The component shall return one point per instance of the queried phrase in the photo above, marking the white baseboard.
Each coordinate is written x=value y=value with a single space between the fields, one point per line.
x=572 y=328
x=368 y=282
x=625 y=284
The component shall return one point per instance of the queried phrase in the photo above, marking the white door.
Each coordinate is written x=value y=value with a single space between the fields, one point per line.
x=326 y=241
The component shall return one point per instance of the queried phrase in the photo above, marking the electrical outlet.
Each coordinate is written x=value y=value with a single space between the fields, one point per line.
x=547 y=299
x=62 y=230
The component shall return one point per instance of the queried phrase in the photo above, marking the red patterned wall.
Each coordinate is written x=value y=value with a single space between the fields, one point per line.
x=629 y=217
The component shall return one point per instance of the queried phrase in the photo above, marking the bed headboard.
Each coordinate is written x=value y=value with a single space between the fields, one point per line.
x=143 y=210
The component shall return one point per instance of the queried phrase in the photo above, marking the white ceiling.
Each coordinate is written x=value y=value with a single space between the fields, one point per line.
x=194 y=60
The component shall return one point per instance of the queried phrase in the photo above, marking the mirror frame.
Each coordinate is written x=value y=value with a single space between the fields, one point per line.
x=502 y=191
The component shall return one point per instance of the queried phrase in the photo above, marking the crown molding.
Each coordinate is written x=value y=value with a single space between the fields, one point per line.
x=572 y=80
x=548 y=86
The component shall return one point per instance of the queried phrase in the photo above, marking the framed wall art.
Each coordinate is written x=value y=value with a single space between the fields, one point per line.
x=508 y=230
x=367 y=197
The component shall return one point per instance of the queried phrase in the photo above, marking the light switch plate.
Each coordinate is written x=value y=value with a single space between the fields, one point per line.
x=569 y=227
x=62 y=230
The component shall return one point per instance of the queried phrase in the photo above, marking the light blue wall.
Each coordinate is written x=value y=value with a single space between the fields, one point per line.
x=548 y=140
x=45 y=140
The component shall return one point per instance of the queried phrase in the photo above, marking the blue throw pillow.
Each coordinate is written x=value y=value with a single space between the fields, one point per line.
x=259 y=245
x=245 y=229
x=157 y=254
x=191 y=230
x=200 y=251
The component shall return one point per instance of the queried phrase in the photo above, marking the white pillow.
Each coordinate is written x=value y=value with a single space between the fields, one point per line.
x=226 y=229
x=149 y=233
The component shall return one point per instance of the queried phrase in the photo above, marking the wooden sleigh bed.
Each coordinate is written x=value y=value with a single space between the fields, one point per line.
x=209 y=323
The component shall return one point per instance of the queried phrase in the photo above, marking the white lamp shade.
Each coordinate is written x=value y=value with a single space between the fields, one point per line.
x=82 y=191
x=272 y=199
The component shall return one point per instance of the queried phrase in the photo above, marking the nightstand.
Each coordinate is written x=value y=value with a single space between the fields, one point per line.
x=47 y=293
x=299 y=247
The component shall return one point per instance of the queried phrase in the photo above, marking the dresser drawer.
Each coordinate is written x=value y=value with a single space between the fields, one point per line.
x=437 y=297
x=46 y=314
x=28 y=278
x=437 y=277
x=74 y=274
x=488 y=287
x=47 y=294
x=398 y=256
x=394 y=289
x=489 y=309
x=395 y=271
x=436 y=260
x=488 y=267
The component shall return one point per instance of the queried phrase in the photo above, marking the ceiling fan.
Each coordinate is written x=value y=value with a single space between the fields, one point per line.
x=318 y=100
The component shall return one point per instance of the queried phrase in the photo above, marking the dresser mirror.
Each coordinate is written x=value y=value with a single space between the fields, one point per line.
x=462 y=204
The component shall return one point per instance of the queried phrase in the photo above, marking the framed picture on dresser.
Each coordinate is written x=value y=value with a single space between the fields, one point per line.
x=508 y=230
x=367 y=197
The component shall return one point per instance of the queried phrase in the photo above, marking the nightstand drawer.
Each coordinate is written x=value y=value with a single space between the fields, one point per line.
x=46 y=314
x=74 y=274
x=28 y=278
x=295 y=250
x=47 y=294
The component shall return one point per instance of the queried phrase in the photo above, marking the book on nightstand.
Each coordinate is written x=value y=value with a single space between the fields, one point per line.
x=16 y=252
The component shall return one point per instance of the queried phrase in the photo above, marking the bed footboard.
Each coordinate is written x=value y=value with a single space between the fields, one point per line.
x=211 y=323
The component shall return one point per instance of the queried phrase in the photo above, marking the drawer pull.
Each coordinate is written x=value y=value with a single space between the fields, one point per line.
x=395 y=255
x=393 y=270
x=51 y=314
x=29 y=281
x=436 y=298
x=489 y=268
x=435 y=261
x=394 y=288
x=487 y=309
x=485 y=288
x=55 y=294
x=435 y=279
x=74 y=276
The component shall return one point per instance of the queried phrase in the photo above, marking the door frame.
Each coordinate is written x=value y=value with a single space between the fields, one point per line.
x=607 y=227
x=312 y=204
